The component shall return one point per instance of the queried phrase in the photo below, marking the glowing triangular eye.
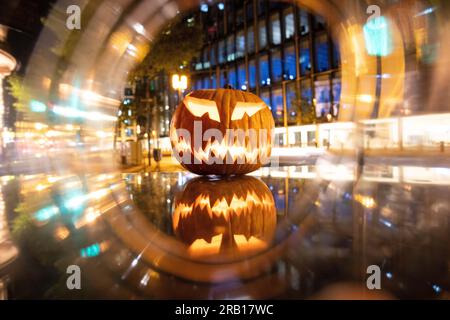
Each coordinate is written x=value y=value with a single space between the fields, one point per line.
x=249 y=108
x=198 y=107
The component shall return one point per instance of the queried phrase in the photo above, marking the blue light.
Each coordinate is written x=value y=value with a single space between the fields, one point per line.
x=389 y=275
x=436 y=288
x=386 y=223
x=37 y=106
x=425 y=12
x=204 y=7
x=46 y=213
x=377 y=37
x=221 y=6
x=91 y=251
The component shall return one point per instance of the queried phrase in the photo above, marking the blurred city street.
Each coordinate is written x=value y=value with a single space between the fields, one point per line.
x=350 y=107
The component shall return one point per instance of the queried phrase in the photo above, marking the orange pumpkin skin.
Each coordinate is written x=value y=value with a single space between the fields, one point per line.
x=231 y=208
x=261 y=123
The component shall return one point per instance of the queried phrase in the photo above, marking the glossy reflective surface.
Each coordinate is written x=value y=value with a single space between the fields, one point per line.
x=290 y=232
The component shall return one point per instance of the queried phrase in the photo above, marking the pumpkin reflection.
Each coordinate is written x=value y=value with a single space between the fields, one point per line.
x=231 y=217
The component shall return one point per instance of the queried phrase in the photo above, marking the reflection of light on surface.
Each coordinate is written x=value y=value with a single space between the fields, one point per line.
x=139 y=28
x=46 y=213
x=367 y=98
x=366 y=201
x=91 y=215
x=389 y=275
x=201 y=246
x=91 y=251
x=338 y=172
x=61 y=233
x=386 y=223
x=75 y=202
x=425 y=12
x=40 y=187
x=145 y=278
x=134 y=262
x=37 y=106
x=436 y=288
x=89 y=115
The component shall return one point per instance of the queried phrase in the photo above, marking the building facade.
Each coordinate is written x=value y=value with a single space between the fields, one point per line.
x=276 y=50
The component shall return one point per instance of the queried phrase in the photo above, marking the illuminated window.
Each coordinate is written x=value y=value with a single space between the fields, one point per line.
x=305 y=58
x=275 y=29
x=277 y=105
x=265 y=96
x=242 y=77
x=322 y=96
x=206 y=84
x=212 y=55
x=222 y=79
x=336 y=91
x=222 y=53
x=252 y=73
x=289 y=24
x=304 y=24
x=322 y=61
x=336 y=56
x=213 y=81
x=232 y=77
x=206 y=62
x=306 y=107
x=198 y=84
x=277 y=72
x=264 y=70
x=292 y=102
x=251 y=40
x=231 y=50
x=240 y=44
x=290 y=62
x=262 y=34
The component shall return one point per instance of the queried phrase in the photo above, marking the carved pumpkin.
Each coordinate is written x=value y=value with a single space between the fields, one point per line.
x=222 y=132
x=230 y=217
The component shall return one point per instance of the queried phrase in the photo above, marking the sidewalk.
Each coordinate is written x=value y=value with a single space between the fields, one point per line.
x=167 y=164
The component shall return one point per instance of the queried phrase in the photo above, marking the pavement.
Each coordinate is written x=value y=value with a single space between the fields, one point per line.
x=431 y=158
x=167 y=164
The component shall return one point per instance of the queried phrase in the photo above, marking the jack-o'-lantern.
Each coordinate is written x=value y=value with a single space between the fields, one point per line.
x=224 y=219
x=222 y=132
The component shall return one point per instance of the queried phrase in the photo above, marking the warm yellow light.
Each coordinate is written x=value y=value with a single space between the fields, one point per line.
x=249 y=108
x=366 y=201
x=198 y=107
x=175 y=81
x=367 y=98
x=183 y=83
x=179 y=82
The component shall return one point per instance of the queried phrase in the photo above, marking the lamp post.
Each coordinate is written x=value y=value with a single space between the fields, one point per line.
x=179 y=83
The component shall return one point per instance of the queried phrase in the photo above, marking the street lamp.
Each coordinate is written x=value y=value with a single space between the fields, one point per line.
x=180 y=84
